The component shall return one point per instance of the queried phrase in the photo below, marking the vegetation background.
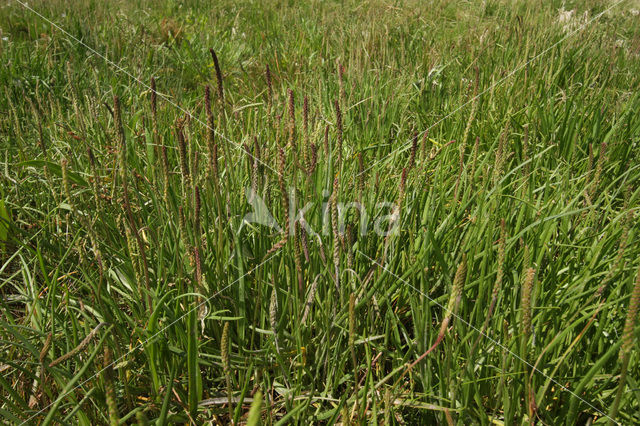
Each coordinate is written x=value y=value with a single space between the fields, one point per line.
x=506 y=132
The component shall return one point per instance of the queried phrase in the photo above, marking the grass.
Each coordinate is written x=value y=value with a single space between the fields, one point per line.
x=133 y=291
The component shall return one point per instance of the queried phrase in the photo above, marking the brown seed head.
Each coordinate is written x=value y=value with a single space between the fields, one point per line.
x=216 y=65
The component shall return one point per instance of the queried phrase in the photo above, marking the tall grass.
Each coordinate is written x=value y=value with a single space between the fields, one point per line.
x=131 y=288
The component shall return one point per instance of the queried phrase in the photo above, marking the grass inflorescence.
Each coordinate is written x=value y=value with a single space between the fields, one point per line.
x=141 y=280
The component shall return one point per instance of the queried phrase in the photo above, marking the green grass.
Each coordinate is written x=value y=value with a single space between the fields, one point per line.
x=131 y=291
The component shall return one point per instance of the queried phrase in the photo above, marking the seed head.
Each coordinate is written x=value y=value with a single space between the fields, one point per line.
x=182 y=149
x=414 y=150
x=458 y=285
x=216 y=65
x=526 y=301
x=273 y=316
x=632 y=316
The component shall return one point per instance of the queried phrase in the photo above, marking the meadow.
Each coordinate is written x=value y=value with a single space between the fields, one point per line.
x=468 y=252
